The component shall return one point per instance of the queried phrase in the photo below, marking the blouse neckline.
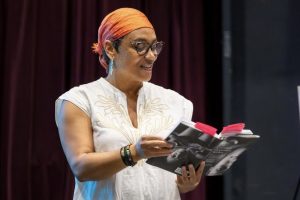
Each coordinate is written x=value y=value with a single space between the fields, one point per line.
x=121 y=98
x=116 y=90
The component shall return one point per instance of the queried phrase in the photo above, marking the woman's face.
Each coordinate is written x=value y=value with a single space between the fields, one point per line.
x=128 y=63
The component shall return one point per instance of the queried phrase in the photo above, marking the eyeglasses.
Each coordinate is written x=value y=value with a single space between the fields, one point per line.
x=143 y=47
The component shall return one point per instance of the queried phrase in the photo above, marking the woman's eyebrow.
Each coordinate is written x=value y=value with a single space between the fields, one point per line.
x=145 y=40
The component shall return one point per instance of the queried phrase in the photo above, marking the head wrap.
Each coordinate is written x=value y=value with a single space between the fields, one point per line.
x=118 y=24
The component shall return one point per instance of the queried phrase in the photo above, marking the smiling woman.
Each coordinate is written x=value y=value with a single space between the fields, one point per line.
x=135 y=58
x=110 y=126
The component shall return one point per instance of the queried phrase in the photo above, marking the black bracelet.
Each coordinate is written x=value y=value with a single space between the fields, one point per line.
x=132 y=163
x=122 y=154
x=126 y=156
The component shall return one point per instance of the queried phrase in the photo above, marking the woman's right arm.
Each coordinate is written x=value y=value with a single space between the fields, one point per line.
x=76 y=135
x=75 y=132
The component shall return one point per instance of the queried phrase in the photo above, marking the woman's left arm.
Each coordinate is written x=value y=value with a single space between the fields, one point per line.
x=190 y=178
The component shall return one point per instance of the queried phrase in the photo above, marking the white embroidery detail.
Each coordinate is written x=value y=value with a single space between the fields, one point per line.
x=153 y=117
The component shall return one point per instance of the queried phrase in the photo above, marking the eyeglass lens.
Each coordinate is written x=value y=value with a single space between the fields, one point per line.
x=143 y=47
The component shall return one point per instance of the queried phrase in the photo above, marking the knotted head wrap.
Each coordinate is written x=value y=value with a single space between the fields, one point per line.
x=118 y=24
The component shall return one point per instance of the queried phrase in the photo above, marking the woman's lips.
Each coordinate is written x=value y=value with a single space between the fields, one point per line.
x=147 y=67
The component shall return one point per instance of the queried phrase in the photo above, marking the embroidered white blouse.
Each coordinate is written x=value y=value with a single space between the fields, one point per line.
x=158 y=111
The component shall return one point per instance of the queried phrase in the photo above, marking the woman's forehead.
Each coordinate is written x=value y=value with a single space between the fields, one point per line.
x=146 y=34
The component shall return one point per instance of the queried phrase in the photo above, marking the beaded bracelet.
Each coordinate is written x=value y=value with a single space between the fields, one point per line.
x=129 y=155
x=126 y=156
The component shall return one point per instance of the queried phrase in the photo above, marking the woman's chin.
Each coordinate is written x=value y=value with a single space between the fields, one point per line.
x=146 y=75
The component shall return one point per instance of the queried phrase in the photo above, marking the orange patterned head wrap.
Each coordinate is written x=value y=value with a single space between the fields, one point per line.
x=118 y=24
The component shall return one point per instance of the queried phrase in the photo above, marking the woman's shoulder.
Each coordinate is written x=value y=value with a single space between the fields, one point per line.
x=160 y=90
x=83 y=88
x=90 y=85
x=167 y=94
x=171 y=97
x=81 y=96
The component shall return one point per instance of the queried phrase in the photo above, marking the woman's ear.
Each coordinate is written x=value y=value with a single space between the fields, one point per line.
x=109 y=49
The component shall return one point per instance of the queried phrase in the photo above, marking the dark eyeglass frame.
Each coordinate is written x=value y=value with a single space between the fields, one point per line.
x=156 y=51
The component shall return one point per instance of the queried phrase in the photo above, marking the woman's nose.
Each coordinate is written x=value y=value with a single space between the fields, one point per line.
x=151 y=55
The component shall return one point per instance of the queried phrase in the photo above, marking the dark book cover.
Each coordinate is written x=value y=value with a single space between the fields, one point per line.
x=193 y=143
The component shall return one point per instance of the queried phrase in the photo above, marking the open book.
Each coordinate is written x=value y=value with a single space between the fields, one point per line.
x=194 y=142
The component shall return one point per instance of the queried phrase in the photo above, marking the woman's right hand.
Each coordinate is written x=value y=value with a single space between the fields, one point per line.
x=150 y=146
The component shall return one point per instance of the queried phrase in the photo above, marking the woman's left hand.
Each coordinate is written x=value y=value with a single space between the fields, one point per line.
x=190 y=178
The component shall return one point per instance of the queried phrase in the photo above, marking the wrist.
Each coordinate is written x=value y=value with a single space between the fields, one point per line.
x=126 y=155
x=183 y=189
x=135 y=156
x=186 y=188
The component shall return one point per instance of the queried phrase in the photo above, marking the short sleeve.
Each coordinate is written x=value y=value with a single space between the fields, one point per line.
x=188 y=110
x=76 y=96
x=186 y=106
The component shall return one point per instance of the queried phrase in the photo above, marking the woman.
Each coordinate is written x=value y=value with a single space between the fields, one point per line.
x=110 y=126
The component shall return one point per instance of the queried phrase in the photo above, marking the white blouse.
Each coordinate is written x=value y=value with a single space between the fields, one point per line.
x=158 y=111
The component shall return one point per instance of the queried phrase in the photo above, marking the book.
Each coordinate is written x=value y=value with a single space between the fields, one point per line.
x=196 y=142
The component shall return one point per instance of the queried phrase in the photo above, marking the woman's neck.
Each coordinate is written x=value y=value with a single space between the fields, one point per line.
x=130 y=88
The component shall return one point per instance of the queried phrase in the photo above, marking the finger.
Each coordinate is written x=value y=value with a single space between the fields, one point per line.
x=179 y=180
x=157 y=152
x=153 y=146
x=151 y=137
x=200 y=169
x=152 y=149
x=184 y=173
x=192 y=172
x=158 y=144
x=161 y=153
x=143 y=148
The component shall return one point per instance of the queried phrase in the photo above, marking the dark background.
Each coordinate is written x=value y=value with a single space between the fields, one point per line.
x=237 y=60
x=263 y=72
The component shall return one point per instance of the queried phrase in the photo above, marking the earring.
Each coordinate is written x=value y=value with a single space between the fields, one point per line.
x=110 y=67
